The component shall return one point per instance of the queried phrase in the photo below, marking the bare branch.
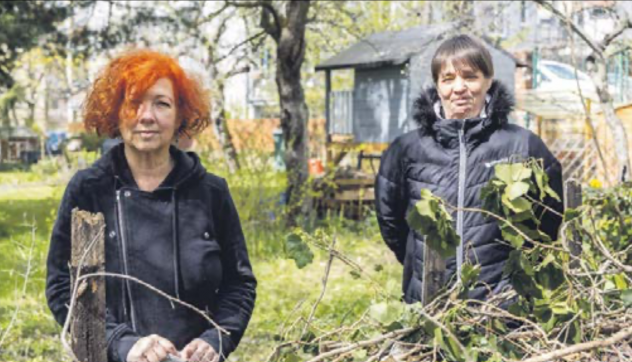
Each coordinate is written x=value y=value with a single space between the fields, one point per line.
x=267 y=10
x=623 y=25
x=597 y=48
x=622 y=335
x=322 y=292
x=236 y=47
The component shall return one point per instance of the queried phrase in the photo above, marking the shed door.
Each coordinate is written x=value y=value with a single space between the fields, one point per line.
x=380 y=104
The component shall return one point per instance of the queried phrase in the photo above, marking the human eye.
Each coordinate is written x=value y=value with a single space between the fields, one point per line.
x=163 y=104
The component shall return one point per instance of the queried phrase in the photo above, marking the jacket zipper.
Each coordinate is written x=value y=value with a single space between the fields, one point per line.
x=119 y=208
x=461 y=200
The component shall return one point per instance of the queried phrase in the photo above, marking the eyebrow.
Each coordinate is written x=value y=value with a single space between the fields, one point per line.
x=160 y=95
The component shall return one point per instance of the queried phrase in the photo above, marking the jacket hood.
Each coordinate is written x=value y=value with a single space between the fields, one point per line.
x=500 y=104
x=187 y=167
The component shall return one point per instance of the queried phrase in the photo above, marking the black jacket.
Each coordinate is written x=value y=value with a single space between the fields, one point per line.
x=184 y=238
x=454 y=159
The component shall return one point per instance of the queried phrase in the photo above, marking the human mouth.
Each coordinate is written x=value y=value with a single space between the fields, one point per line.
x=461 y=102
x=146 y=134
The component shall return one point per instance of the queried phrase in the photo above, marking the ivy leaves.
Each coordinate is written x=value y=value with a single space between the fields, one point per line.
x=430 y=218
x=298 y=250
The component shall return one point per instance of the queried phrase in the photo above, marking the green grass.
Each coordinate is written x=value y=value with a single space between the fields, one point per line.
x=34 y=336
x=26 y=217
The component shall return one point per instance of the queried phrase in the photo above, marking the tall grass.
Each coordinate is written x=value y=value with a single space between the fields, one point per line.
x=257 y=190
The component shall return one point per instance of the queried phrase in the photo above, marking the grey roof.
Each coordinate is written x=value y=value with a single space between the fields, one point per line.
x=390 y=47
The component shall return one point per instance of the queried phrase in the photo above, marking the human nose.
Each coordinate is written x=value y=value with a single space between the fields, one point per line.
x=145 y=113
x=459 y=85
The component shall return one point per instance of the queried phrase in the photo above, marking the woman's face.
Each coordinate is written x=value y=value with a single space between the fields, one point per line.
x=462 y=90
x=155 y=124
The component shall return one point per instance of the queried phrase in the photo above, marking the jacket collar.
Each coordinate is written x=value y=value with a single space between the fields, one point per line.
x=445 y=131
x=187 y=167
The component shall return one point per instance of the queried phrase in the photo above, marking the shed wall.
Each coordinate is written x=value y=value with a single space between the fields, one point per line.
x=380 y=104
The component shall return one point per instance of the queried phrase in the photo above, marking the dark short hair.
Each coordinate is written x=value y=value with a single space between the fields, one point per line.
x=462 y=49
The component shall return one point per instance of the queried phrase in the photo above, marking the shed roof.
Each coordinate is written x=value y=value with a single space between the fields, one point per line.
x=391 y=47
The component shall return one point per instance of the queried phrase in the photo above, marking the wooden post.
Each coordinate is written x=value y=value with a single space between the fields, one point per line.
x=88 y=323
x=573 y=200
x=434 y=268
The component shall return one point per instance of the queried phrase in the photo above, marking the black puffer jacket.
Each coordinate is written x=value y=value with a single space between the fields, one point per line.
x=454 y=159
x=184 y=238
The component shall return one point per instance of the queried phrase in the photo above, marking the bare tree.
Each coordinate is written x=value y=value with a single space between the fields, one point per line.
x=190 y=20
x=597 y=68
x=285 y=22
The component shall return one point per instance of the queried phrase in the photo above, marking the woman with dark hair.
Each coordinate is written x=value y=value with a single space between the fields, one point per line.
x=169 y=222
x=463 y=132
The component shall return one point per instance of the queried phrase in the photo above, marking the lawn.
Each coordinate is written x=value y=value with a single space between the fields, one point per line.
x=285 y=293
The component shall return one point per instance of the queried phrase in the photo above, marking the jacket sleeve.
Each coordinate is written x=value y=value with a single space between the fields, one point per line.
x=550 y=221
x=120 y=337
x=236 y=295
x=390 y=202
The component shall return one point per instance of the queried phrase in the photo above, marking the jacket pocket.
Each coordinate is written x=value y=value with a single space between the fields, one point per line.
x=202 y=269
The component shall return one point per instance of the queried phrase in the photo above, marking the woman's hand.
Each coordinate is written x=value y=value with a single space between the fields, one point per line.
x=152 y=348
x=199 y=351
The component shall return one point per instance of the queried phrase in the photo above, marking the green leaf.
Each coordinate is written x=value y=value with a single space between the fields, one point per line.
x=560 y=308
x=511 y=235
x=541 y=180
x=424 y=208
x=626 y=297
x=516 y=190
x=292 y=358
x=571 y=214
x=298 y=250
x=503 y=172
x=469 y=274
x=620 y=282
x=520 y=172
x=386 y=313
x=430 y=219
x=355 y=274
x=551 y=193
x=550 y=277
x=520 y=205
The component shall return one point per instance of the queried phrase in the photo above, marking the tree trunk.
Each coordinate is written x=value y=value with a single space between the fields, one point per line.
x=294 y=112
x=221 y=129
x=30 y=120
x=617 y=128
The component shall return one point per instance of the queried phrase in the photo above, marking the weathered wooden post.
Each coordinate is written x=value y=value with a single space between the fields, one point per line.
x=434 y=268
x=88 y=324
x=573 y=200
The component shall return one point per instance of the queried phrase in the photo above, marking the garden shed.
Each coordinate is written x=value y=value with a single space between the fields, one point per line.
x=19 y=144
x=390 y=70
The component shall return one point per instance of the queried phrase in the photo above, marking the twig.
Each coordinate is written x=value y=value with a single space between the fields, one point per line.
x=80 y=278
x=622 y=335
x=322 y=292
x=14 y=316
x=370 y=342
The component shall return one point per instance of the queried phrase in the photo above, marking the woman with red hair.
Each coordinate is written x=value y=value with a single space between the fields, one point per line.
x=169 y=222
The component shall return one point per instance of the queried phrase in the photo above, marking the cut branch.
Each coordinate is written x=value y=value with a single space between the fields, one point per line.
x=620 y=336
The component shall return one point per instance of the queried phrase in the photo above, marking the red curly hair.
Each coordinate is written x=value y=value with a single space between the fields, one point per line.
x=117 y=91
